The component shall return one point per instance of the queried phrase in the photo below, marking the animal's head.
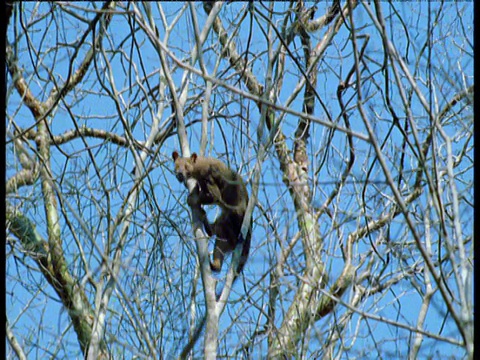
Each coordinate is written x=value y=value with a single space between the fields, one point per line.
x=183 y=166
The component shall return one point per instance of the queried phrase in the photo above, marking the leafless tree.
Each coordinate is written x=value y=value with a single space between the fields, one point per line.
x=351 y=122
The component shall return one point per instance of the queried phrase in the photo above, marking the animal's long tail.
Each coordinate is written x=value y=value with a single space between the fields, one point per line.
x=246 y=249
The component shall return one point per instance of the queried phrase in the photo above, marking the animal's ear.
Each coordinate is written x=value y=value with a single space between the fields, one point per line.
x=194 y=157
x=175 y=155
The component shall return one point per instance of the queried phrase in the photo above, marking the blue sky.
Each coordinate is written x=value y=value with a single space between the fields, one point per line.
x=162 y=192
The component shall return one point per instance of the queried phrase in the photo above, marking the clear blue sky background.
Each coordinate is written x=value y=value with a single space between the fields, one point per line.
x=94 y=108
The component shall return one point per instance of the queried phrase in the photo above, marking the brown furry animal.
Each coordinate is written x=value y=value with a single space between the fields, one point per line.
x=217 y=184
